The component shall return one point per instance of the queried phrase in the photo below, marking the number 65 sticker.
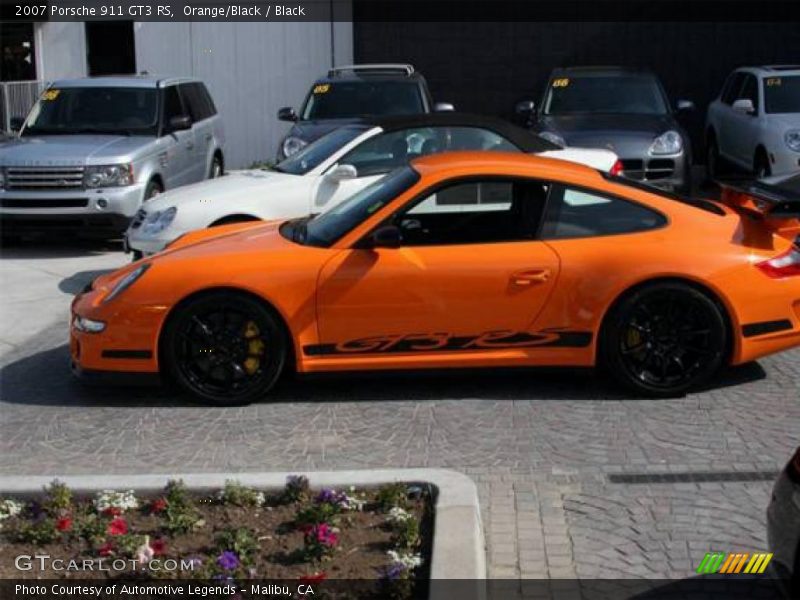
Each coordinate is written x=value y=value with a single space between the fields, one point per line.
x=559 y=83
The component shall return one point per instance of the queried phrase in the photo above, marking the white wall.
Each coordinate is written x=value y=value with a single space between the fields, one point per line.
x=60 y=50
x=251 y=69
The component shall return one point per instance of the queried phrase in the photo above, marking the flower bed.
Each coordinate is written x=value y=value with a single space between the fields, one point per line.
x=232 y=534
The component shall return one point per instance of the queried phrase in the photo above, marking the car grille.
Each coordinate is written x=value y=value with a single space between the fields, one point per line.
x=652 y=169
x=44 y=202
x=138 y=218
x=44 y=178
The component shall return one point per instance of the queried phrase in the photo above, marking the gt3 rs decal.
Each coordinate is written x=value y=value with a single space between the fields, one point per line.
x=432 y=342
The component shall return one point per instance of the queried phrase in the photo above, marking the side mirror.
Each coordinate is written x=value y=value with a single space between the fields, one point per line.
x=180 y=123
x=685 y=106
x=744 y=105
x=525 y=108
x=388 y=236
x=287 y=114
x=443 y=107
x=342 y=173
x=16 y=123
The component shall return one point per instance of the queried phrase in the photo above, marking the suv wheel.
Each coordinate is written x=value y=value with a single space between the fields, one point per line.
x=761 y=165
x=216 y=168
x=152 y=190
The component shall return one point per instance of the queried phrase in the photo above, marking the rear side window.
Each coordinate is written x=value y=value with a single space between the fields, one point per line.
x=732 y=87
x=577 y=213
x=173 y=107
x=197 y=100
x=750 y=90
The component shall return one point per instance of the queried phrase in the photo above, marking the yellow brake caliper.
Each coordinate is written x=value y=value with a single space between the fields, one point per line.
x=255 y=348
x=632 y=337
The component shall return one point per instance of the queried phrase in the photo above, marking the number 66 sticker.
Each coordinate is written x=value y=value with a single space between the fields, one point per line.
x=561 y=83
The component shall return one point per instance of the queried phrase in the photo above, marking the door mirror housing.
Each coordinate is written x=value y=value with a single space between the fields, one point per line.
x=16 y=123
x=287 y=114
x=388 y=236
x=744 y=105
x=525 y=108
x=685 y=106
x=180 y=123
x=443 y=107
x=342 y=173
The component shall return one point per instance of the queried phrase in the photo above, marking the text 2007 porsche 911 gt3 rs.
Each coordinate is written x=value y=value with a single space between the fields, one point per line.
x=460 y=260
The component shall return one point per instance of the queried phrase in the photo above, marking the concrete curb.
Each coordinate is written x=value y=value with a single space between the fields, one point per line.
x=458 y=543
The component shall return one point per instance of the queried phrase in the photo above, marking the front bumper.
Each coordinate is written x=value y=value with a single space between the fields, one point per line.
x=86 y=211
x=148 y=244
x=784 y=162
x=669 y=172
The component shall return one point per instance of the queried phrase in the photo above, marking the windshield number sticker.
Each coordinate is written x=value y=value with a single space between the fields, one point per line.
x=51 y=94
x=773 y=81
x=322 y=88
x=561 y=83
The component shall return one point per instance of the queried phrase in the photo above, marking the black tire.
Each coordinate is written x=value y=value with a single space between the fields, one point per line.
x=664 y=339
x=153 y=189
x=216 y=168
x=712 y=159
x=761 y=166
x=224 y=348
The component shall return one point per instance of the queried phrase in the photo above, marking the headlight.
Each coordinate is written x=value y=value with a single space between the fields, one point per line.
x=108 y=176
x=553 y=138
x=292 y=145
x=669 y=142
x=88 y=325
x=792 y=139
x=126 y=282
x=157 y=221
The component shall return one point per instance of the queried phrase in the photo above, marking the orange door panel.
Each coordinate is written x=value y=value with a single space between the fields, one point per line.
x=418 y=299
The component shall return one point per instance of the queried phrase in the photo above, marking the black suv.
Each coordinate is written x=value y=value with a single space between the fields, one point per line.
x=352 y=93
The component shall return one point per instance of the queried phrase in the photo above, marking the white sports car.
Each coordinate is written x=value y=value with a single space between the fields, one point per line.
x=331 y=169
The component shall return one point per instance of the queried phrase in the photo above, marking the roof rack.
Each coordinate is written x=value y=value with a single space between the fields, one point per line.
x=407 y=70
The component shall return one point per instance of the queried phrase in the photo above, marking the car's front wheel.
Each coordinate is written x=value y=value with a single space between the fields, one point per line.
x=664 y=339
x=224 y=348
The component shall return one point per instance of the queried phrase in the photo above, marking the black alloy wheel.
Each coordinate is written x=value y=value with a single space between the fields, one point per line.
x=664 y=339
x=224 y=348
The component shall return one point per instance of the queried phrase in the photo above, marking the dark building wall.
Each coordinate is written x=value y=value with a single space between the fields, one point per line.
x=487 y=67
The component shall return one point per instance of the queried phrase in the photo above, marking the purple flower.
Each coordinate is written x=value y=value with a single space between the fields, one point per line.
x=228 y=560
x=392 y=572
x=329 y=496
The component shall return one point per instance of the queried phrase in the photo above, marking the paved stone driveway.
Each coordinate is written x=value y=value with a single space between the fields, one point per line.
x=549 y=451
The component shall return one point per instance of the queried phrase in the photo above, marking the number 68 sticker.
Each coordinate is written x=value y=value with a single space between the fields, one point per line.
x=559 y=83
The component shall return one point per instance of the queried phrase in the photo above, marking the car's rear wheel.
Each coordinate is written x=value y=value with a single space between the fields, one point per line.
x=216 y=168
x=224 y=348
x=663 y=339
x=712 y=159
x=761 y=166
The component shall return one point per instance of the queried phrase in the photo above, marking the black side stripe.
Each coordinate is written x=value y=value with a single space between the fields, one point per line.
x=127 y=354
x=765 y=327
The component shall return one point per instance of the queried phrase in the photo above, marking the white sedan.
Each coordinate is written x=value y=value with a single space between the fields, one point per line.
x=331 y=169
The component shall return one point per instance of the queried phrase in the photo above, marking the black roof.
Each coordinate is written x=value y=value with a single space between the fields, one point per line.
x=524 y=139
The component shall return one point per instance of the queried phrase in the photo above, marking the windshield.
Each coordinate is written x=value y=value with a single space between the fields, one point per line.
x=605 y=94
x=112 y=110
x=328 y=227
x=782 y=94
x=315 y=153
x=348 y=99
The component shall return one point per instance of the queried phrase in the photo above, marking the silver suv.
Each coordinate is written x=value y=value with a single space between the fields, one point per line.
x=754 y=124
x=92 y=150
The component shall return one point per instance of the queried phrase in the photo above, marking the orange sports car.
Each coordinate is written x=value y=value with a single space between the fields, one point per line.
x=460 y=260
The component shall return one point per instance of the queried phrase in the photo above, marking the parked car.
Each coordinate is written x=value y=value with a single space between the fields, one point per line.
x=92 y=150
x=783 y=524
x=623 y=110
x=350 y=93
x=331 y=169
x=754 y=124
x=461 y=259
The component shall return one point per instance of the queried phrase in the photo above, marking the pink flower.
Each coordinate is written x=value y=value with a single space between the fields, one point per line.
x=158 y=546
x=324 y=534
x=106 y=549
x=314 y=578
x=112 y=511
x=158 y=505
x=118 y=526
x=64 y=524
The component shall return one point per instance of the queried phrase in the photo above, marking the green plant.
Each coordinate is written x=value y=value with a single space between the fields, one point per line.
x=391 y=495
x=406 y=534
x=128 y=544
x=316 y=514
x=180 y=514
x=241 y=540
x=239 y=495
x=297 y=489
x=37 y=532
x=58 y=498
x=92 y=528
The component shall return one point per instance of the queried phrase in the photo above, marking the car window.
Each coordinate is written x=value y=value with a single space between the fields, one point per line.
x=348 y=99
x=750 y=90
x=390 y=150
x=782 y=94
x=317 y=152
x=576 y=213
x=474 y=212
x=195 y=100
x=173 y=106
x=732 y=87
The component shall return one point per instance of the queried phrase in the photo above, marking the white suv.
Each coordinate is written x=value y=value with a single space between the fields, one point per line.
x=754 y=124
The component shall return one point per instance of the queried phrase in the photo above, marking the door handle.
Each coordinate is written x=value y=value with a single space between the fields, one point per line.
x=530 y=277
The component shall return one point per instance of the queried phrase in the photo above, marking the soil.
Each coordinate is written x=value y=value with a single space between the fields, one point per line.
x=364 y=539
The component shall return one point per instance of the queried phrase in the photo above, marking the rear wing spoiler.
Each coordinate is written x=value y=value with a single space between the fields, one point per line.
x=770 y=199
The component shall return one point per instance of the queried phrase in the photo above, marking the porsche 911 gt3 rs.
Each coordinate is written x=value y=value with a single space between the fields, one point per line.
x=475 y=259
